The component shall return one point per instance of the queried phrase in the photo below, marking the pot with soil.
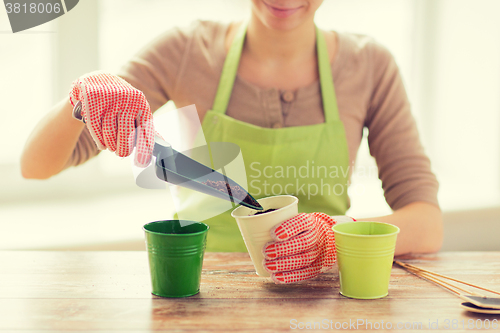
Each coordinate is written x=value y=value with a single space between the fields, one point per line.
x=255 y=226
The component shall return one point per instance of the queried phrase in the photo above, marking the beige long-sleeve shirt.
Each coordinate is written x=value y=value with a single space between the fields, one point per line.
x=184 y=65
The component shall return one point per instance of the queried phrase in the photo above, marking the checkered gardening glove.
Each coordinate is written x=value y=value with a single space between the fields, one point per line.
x=117 y=115
x=304 y=247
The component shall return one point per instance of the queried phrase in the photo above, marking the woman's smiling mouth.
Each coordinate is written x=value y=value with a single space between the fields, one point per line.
x=282 y=12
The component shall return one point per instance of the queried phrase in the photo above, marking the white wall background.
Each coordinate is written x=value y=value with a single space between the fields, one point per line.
x=448 y=52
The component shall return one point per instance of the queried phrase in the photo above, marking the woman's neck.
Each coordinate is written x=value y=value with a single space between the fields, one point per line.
x=275 y=46
x=284 y=60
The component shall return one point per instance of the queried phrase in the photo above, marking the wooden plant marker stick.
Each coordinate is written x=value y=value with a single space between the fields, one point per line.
x=405 y=265
x=443 y=283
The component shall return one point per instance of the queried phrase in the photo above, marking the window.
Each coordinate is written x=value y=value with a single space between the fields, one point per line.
x=463 y=122
x=25 y=90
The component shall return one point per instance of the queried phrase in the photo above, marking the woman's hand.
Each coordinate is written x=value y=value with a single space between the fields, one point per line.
x=421 y=226
x=117 y=115
x=304 y=247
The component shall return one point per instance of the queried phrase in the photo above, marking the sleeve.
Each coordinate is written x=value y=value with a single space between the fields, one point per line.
x=84 y=150
x=404 y=168
x=154 y=70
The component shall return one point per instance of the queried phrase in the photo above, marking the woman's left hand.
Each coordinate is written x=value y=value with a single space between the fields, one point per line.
x=303 y=247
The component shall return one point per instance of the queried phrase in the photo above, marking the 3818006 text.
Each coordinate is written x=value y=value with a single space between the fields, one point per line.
x=33 y=8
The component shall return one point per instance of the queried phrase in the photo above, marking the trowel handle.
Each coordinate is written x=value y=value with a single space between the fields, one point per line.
x=77 y=112
x=159 y=141
x=164 y=154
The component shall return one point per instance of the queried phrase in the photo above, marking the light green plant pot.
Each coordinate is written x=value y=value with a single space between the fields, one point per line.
x=365 y=251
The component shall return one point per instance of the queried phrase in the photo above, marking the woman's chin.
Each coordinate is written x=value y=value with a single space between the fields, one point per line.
x=281 y=24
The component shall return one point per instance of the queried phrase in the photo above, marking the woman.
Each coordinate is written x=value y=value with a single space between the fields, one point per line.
x=269 y=87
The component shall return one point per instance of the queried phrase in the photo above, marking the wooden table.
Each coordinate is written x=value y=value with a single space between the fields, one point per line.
x=110 y=291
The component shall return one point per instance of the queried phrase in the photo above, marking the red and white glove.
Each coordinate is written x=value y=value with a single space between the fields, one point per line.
x=117 y=115
x=304 y=247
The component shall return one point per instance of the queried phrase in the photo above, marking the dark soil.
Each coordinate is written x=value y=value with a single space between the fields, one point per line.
x=234 y=191
x=265 y=211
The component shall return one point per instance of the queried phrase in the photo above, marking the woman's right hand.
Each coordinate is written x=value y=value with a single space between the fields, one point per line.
x=117 y=115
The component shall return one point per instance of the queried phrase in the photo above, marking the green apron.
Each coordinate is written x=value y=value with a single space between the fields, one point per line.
x=310 y=162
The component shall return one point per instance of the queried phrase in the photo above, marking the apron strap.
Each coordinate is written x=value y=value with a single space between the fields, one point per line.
x=329 y=98
x=230 y=70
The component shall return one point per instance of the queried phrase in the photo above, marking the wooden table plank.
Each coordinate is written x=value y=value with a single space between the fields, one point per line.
x=221 y=314
x=126 y=275
x=111 y=291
